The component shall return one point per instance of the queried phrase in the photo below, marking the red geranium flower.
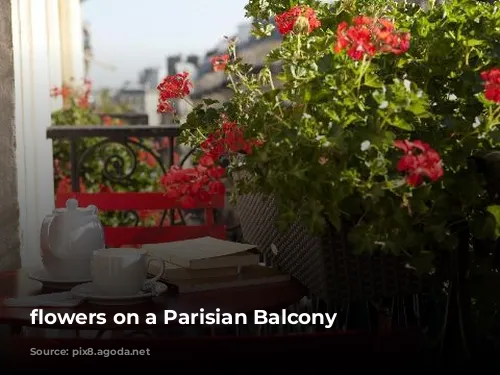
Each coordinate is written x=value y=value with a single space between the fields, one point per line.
x=175 y=86
x=65 y=186
x=419 y=161
x=199 y=184
x=367 y=36
x=302 y=16
x=192 y=186
x=107 y=120
x=219 y=63
x=229 y=139
x=491 y=80
x=147 y=157
x=63 y=91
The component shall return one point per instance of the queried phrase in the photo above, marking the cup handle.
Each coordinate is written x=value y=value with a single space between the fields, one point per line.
x=160 y=272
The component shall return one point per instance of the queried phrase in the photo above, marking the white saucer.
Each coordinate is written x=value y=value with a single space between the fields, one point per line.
x=42 y=276
x=86 y=291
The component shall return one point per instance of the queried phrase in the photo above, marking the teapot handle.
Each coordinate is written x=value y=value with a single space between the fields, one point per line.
x=44 y=235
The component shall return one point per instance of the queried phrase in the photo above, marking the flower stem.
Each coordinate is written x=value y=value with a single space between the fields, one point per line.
x=233 y=83
x=188 y=101
x=299 y=46
x=281 y=120
x=364 y=67
x=496 y=112
x=271 y=83
x=493 y=117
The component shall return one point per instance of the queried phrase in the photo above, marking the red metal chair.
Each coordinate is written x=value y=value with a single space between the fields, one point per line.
x=139 y=235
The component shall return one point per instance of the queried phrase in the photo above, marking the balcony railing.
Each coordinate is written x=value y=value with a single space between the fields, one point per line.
x=112 y=158
x=127 y=136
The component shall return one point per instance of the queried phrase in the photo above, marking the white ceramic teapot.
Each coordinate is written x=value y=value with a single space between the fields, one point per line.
x=68 y=238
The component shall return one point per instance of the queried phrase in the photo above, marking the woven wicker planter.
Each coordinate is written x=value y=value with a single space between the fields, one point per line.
x=323 y=264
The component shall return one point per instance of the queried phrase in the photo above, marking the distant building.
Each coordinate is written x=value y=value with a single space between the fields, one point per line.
x=142 y=97
x=131 y=97
x=149 y=78
x=252 y=50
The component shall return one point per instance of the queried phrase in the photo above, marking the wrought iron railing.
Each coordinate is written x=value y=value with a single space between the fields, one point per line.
x=118 y=151
x=126 y=136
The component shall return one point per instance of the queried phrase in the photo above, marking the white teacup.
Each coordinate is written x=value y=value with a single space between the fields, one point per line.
x=122 y=271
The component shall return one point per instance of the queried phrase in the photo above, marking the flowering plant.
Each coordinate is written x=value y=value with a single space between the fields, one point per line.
x=371 y=122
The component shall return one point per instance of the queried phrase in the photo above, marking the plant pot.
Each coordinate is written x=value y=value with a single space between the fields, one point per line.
x=325 y=264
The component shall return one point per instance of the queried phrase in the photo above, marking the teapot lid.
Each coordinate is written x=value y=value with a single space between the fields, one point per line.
x=72 y=207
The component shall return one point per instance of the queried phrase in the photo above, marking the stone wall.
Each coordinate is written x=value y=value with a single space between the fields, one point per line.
x=9 y=208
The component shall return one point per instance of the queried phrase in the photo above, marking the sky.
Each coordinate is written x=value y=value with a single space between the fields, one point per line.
x=131 y=35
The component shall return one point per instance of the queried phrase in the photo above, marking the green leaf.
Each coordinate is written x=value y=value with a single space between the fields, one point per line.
x=494 y=210
x=332 y=114
x=419 y=109
x=473 y=42
x=335 y=221
x=437 y=231
x=483 y=227
x=400 y=123
x=372 y=81
x=209 y=102
x=307 y=95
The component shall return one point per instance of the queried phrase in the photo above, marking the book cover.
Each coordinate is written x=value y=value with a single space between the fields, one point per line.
x=205 y=253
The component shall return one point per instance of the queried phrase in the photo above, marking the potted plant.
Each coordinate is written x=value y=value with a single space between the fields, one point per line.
x=356 y=167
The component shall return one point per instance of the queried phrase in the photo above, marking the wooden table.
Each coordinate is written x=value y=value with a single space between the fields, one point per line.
x=269 y=297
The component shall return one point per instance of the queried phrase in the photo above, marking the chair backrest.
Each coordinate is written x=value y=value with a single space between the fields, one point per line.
x=140 y=235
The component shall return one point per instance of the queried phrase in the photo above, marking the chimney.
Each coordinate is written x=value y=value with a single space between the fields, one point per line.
x=172 y=64
x=193 y=59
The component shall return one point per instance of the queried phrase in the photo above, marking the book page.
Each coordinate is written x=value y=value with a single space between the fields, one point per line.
x=199 y=248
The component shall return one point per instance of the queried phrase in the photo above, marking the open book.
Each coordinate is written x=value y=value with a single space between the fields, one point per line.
x=205 y=253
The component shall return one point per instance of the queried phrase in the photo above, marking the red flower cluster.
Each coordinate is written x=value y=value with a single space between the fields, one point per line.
x=81 y=96
x=63 y=91
x=199 y=184
x=65 y=186
x=491 y=80
x=194 y=185
x=228 y=140
x=147 y=157
x=175 y=86
x=296 y=19
x=109 y=121
x=367 y=36
x=419 y=161
x=219 y=63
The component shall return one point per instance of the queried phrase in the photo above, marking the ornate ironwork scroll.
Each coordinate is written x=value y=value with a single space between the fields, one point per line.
x=122 y=157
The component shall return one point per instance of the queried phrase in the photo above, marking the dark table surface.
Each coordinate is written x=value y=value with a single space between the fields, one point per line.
x=269 y=297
